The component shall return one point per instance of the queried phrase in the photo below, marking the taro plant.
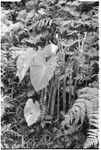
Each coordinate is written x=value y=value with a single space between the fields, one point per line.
x=42 y=67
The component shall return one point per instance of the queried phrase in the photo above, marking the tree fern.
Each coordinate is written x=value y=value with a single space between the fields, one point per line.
x=86 y=106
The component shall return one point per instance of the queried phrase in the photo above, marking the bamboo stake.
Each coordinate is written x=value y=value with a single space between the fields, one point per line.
x=53 y=99
x=70 y=84
x=58 y=101
x=42 y=100
x=50 y=96
x=64 y=84
x=70 y=95
x=64 y=94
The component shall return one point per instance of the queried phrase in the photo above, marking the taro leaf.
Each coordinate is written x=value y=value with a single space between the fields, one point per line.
x=16 y=51
x=32 y=112
x=50 y=50
x=24 y=62
x=41 y=71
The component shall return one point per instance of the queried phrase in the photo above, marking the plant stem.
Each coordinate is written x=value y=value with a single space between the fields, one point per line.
x=64 y=93
x=22 y=140
x=50 y=95
x=42 y=99
x=70 y=91
x=53 y=99
x=58 y=101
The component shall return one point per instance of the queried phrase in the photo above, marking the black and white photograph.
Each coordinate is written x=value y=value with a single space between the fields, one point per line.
x=49 y=74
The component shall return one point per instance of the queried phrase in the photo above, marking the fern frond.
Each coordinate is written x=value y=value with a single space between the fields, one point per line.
x=81 y=105
x=93 y=91
x=87 y=96
x=44 y=22
x=94 y=120
x=86 y=106
x=92 y=138
x=75 y=115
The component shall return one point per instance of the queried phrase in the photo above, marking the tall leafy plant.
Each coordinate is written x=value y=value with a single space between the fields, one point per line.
x=41 y=69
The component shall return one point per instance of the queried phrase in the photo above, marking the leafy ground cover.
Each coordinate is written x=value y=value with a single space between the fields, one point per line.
x=49 y=74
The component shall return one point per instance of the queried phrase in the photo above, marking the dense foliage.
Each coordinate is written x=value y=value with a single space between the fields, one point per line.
x=49 y=61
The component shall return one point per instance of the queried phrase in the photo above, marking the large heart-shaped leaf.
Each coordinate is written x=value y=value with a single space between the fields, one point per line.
x=32 y=112
x=24 y=62
x=41 y=71
x=50 y=50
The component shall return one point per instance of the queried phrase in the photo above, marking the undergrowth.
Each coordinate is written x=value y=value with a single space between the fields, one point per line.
x=69 y=100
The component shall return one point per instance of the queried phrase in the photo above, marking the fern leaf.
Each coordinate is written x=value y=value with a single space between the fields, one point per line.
x=92 y=138
x=75 y=114
x=87 y=96
x=82 y=107
x=85 y=106
x=94 y=120
x=93 y=91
